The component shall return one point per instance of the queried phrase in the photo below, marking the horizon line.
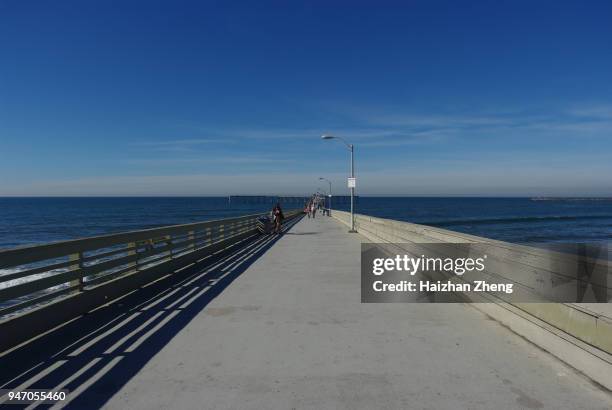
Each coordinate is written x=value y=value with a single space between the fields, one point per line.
x=308 y=195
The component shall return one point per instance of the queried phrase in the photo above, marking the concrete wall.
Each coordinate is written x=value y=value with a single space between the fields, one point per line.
x=580 y=334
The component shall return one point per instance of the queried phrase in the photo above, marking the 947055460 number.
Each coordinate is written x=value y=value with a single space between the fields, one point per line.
x=8 y=396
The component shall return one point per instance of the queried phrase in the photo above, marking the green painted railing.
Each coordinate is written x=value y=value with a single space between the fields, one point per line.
x=41 y=274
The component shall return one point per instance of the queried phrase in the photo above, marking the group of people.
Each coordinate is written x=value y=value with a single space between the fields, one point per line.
x=277 y=213
x=311 y=210
x=312 y=206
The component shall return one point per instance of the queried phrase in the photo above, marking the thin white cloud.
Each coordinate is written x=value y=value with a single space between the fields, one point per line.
x=398 y=129
x=601 y=112
x=401 y=128
x=444 y=121
x=258 y=133
x=208 y=160
x=180 y=142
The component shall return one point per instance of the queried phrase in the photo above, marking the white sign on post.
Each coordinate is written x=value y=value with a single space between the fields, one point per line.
x=351 y=182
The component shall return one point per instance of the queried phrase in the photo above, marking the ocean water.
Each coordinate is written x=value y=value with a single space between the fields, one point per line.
x=27 y=221
x=518 y=220
x=31 y=221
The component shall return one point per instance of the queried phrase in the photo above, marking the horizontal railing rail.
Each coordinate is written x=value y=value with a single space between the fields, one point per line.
x=41 y=273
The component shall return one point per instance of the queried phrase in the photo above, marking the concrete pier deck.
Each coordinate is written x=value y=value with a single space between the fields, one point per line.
x=279 y=325
x=290 y=332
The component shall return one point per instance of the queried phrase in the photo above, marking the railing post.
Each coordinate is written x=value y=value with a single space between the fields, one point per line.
x=78 y=258
x=221 y=232
x=209 y=240
x=169 y=243
x=191 y=240
x=132 y=250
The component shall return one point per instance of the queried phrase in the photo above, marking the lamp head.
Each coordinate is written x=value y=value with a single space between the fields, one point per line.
x=327 y=137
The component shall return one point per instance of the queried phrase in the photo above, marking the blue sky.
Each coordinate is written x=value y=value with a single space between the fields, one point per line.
x=209 y=98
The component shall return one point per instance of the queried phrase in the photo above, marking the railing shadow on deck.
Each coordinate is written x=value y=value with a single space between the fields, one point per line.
x=95 y=355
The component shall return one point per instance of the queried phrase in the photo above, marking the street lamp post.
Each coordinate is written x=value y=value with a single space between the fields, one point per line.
x=330 y=194
x=351 y=148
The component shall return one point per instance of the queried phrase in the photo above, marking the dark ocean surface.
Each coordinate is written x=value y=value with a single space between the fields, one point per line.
x=25 y=221
x=518 y=220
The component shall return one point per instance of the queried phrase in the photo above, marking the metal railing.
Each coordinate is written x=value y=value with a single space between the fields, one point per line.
x=40 y=274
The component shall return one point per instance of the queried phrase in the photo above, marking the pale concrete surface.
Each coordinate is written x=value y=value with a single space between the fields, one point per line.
x=290 y=332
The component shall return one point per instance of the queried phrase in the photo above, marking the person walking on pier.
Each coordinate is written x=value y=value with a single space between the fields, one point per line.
x=277 y=214
x=313 y=209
